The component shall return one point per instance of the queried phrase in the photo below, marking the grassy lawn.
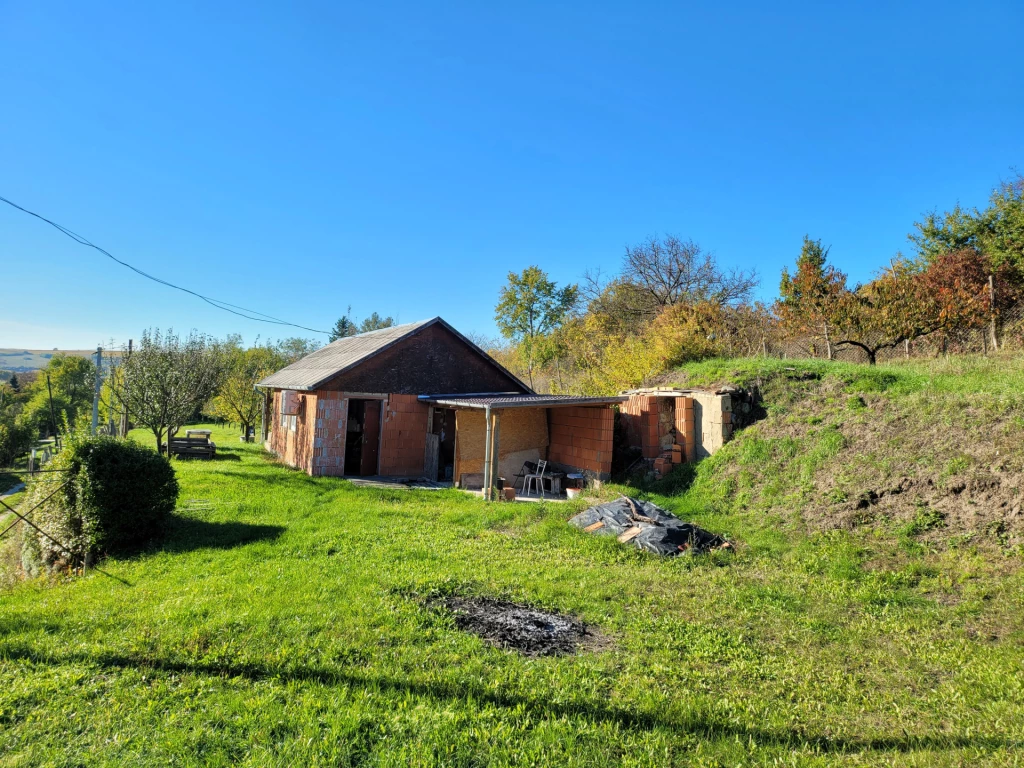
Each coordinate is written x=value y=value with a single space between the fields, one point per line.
x=283 y=623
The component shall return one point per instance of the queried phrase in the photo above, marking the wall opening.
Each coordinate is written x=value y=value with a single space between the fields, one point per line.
x=441 y=438
x=362 y=438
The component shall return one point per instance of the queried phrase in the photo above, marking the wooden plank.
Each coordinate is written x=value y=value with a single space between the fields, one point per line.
x=629 y=535
x=594 y=526
x=430 y=457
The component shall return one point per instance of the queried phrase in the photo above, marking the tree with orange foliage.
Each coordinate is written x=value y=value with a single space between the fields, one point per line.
x=810 y=296
x=907 y=302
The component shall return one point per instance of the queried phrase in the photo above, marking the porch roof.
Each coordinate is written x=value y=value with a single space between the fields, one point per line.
x=504 y=400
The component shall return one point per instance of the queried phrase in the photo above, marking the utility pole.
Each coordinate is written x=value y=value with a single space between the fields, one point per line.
x=53 y=420
x=96 y=392
x=123 y=431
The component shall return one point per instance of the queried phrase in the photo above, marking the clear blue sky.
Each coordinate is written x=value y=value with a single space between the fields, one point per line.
x=403 y=157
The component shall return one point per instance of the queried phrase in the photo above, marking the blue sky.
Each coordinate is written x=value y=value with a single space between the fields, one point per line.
x=403 y=157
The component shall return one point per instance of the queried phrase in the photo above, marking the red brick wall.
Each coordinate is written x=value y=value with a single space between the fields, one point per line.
x=294 y=448
x=404 y=439
x=329 y=434
x=640 y=414
x=582 y=437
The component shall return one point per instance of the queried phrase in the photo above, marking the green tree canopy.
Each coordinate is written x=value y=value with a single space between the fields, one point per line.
x=530 y=307
x=166 y=380
x=375 y=322
x=996 y=231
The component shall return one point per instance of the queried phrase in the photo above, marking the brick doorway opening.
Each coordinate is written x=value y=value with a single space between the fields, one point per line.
x=362 y=438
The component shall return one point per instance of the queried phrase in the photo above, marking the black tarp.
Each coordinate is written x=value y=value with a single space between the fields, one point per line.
x=659 y=531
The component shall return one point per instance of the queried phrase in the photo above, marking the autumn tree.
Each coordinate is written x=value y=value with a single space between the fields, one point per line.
x=907 y=302
x=237 y=400
x=531 y=306
x=810 y=297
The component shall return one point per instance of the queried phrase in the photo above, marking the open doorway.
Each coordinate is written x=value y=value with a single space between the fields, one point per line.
x=440 y=459
x=362 y=439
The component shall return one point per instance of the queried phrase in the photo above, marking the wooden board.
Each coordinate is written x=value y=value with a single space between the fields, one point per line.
x=430 y=456
x=629 y=535
x=594 y=526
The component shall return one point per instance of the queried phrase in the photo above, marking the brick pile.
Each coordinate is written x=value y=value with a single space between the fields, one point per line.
x=582 y=438
x=404 y=439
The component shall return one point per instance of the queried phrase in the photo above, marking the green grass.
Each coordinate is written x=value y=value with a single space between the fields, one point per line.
x=999 y=376
x=282 y=623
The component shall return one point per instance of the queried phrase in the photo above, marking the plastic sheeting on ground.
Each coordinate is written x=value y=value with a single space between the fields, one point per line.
x=648 y=527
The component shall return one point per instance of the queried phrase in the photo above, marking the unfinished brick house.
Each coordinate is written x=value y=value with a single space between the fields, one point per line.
x=672 y=425
x=422 y=401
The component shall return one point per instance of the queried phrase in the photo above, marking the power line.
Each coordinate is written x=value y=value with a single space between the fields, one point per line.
x=248 y=314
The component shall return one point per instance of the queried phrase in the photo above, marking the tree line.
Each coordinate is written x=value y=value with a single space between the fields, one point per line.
x=162 y=382
x=671 y=302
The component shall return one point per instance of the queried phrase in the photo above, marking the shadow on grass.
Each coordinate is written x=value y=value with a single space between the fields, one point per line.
x=185 y=534
x=291 y=477
x=220 y=455
x=8 y=481
x=539 y=708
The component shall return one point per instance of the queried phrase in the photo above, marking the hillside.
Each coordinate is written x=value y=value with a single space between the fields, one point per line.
x=291 y=620
x=932 y=450
x=21 y=360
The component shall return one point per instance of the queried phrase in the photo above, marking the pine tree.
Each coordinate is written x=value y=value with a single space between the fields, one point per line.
x=345 y=326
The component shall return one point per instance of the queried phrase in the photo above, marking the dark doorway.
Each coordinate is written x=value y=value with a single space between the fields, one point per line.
x=443 y=427
x=362 y=439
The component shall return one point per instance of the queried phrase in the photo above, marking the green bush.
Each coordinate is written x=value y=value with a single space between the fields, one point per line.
x=115 y=498
x=15 y=440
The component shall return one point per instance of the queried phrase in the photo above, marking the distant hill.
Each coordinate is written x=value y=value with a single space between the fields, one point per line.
x=22 y=360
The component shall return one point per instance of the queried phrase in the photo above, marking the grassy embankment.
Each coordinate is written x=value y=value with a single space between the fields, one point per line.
x=282 y=623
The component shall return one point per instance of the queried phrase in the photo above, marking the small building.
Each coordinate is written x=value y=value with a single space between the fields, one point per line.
x=671 y=425
x=421 y=400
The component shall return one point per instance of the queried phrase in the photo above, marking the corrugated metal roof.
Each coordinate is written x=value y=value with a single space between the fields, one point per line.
x=339 y=356
x=519 y=401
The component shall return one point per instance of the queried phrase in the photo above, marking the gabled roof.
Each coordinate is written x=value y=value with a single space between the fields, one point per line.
x=317 y=368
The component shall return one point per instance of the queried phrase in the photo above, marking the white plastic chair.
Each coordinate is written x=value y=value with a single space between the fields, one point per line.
x=537 y=478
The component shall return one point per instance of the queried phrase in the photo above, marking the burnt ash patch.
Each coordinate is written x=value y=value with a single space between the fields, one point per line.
x=517 y=627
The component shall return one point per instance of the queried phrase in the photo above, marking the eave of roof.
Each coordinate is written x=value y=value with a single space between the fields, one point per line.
x=501 y=401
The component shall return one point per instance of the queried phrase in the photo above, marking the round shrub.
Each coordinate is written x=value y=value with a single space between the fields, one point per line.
x=115 y=498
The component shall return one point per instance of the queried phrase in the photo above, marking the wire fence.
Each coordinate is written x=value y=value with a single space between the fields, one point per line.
x=1006 y=333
